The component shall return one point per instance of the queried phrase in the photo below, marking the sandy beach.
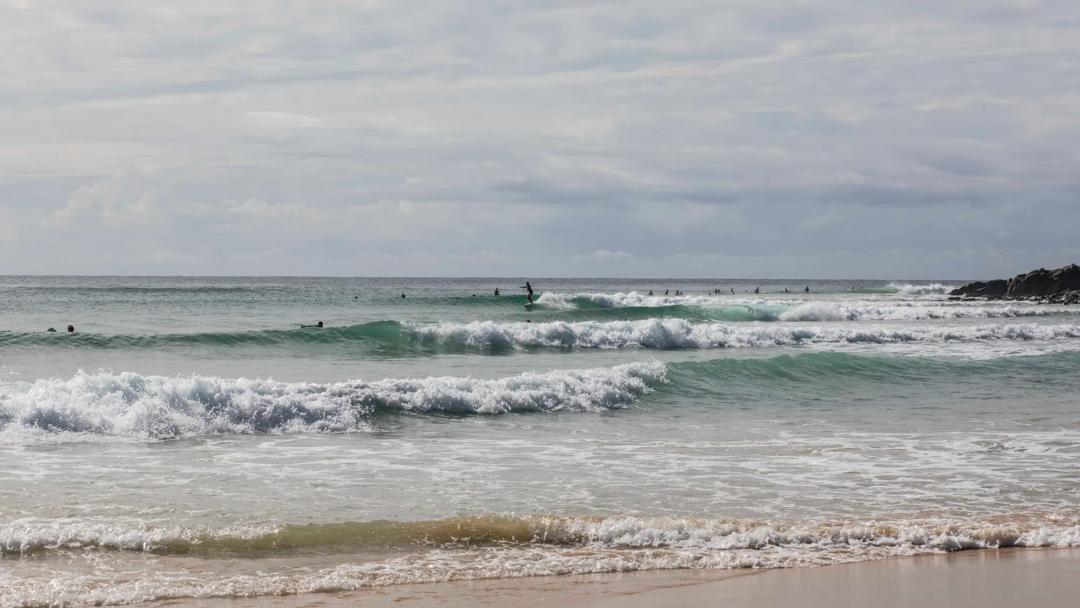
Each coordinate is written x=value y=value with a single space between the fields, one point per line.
x=987 y=579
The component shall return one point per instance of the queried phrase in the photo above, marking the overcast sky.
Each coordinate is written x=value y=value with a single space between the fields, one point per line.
x=918 y=139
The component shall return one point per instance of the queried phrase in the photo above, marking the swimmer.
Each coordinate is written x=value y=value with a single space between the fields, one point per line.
x=71 y=329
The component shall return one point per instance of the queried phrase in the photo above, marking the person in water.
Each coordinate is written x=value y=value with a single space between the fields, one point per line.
x=807 y=290
x=51 y=330
x=71 y=329
x=315 y=326
x=528 y=287
x=496 y=291
x=402 y=296
x=757 y=290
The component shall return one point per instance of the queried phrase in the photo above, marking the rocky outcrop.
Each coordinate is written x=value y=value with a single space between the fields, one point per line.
x=1061 y=285
x=983 y=289
x=1043 y=283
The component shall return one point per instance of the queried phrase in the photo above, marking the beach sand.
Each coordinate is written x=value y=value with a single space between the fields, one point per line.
x=987 y=579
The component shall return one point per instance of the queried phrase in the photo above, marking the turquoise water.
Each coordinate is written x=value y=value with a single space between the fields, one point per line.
x=191 y=440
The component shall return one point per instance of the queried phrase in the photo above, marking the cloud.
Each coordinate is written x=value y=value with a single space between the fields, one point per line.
x=839 y=138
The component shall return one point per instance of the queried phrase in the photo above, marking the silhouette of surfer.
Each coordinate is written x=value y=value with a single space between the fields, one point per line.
x=496 y=291
x=528 y=287
x=315 y=326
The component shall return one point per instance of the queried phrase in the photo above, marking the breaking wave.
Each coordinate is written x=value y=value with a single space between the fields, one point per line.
x=681 y=334
x=156 y=407
x=469 y=548
x=617 y=532
x=920 y=289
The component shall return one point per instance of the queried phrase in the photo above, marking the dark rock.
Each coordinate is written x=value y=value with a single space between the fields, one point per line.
x=1056 y=285
x=983 y=289
x=1066 y=278
x=1035 y=284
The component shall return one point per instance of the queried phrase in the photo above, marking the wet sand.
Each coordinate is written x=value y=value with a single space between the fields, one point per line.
x=987 y=579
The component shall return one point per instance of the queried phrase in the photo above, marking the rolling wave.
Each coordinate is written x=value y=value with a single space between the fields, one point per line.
x=158 y=407
x=30 y=536
x=672 y=334
x=396 y=338
x=486 y=547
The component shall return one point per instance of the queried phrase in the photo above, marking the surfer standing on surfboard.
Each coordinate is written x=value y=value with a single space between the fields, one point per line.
x=529 y=288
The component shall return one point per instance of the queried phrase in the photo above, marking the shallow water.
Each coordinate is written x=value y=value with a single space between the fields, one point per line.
x=191 y=440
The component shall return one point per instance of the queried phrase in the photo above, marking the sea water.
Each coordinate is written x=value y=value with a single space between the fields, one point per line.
x=191 y=440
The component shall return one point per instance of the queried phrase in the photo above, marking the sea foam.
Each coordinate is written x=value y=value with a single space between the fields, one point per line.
x=682 y=334
x=552 y=546
x=129 y=404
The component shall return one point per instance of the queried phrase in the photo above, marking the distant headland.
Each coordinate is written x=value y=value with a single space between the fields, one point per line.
x=1058 y=286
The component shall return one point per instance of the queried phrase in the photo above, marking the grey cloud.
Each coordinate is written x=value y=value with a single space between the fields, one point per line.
x=775 y=138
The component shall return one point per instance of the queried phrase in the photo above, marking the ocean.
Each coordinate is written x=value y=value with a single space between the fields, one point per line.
x=191 y=440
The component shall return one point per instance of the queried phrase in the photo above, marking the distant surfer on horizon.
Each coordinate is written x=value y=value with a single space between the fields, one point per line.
x=496 y=291
x=318 y=325
x=528 y=287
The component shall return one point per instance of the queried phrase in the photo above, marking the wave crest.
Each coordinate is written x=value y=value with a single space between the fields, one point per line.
x=129 y=404
x=681 y=334
x=615 y=532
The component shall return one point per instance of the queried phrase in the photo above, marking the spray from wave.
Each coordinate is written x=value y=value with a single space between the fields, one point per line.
x=920 y=289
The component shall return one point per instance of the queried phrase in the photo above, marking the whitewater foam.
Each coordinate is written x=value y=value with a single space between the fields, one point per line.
x=682 y=334
x=129 y=404
x=921 y=289
x=556 y=546
x=615 y=532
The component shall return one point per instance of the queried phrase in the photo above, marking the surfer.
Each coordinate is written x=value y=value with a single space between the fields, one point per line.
x=757 y=290
x=402 y=296
x=496 y=291
x=528 y=287
x=51 y=330
x=315 y=326
x=650 y=292
x=71 y=329
x=807 y=290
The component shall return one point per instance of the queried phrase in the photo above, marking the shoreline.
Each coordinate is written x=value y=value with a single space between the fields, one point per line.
x=1001 y=578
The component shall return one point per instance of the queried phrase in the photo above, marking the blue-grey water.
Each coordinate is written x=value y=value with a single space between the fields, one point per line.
x=189 y=439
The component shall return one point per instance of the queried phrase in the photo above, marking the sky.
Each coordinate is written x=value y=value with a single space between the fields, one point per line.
x=771 y=139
